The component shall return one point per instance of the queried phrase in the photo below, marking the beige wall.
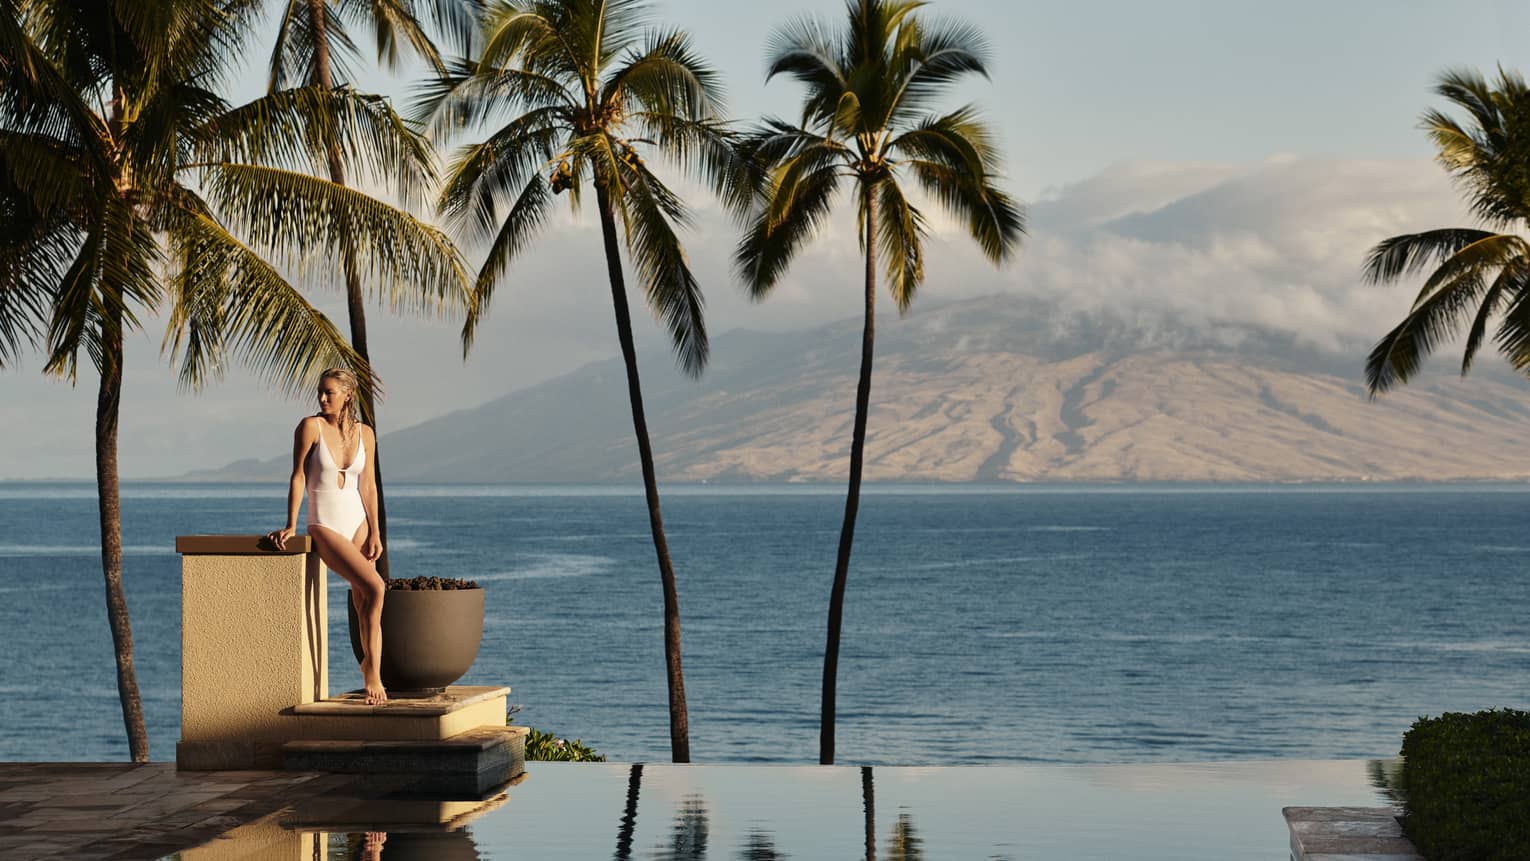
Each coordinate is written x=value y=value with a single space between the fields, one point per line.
x=253 y=643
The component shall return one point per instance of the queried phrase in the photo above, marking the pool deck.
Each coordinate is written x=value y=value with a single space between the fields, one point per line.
x=126 y=811
x=1348 y=834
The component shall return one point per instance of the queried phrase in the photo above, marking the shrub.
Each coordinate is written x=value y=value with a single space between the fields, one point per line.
x=1466 y=778
x=546 y=747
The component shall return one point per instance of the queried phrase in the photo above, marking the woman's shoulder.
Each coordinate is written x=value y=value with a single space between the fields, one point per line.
x=307 y=423
x=367 y=433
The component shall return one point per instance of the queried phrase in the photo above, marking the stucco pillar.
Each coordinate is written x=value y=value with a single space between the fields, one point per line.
x=254 y=644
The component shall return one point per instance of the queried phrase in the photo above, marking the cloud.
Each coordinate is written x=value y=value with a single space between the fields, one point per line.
x=1277 y=245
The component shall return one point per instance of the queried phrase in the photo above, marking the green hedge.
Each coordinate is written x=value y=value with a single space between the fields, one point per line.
x=1466 y=778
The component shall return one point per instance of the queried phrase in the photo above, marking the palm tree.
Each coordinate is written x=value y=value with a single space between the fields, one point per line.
x=589 y=93
x=313 y=42
x=629 y=814
x=124 y=179
x=869 y=807
x=864 y=116
x=1478 y=273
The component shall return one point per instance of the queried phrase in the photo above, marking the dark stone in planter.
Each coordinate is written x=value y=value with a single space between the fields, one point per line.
x=430 y=638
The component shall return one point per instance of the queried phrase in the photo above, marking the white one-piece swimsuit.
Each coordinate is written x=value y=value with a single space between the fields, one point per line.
x=333 y=504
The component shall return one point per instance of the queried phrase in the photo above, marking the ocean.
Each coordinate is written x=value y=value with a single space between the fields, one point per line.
x=1095 y=624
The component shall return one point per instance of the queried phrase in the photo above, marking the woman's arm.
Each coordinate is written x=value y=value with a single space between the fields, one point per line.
x=372 y=547
x=302 y=439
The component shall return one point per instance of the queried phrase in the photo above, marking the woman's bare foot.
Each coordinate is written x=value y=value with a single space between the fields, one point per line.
x=376 y=695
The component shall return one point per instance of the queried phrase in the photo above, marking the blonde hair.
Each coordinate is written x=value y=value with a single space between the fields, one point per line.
x=348 y=415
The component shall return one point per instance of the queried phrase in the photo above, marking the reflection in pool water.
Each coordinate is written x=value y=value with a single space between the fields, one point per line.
x=765 y=813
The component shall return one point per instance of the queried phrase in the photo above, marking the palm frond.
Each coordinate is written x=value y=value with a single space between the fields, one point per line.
x=37 y=244
x=45 y=172
x=470 y=94
x=411 y=266
x=457 y=22
x=294 y=57
x=617 y=26
x=900 y=237
x=806 y=50
x=38 y=99
x=768 y=245
x=114 y=271
x=1412 y=253
x=1509 y=284
x=991 y=217
x=395 y=23
x=958 y=139
x=1485 y=254
x=483 y=175
x=282 y=69
x=1483 y=155
x=526 y=215
x=708 y=149
x=297 y=128
x=530 y=37
x=1454 y=289
x=1513 y=335
x=927 y=60
x=226 y=301
x=665 y=77
x=167 y=128
x=649 y=212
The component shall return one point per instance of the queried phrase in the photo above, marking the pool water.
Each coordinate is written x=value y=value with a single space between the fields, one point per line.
x=1224 y=810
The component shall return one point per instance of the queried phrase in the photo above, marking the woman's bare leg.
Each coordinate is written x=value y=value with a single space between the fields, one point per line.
x=367 y=591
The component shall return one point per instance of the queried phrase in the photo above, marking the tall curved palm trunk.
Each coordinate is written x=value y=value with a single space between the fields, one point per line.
x=588 y=89
x=852 y=495
x=869 y=803
x=629 y=814
x=354 y=303
x=109 y=504
x=867 y=115
x=679 y=720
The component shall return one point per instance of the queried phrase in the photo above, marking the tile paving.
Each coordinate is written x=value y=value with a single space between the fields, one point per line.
x=126 y=811
x=1347 y=834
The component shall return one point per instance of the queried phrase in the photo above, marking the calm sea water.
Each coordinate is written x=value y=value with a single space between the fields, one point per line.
x=982 y=625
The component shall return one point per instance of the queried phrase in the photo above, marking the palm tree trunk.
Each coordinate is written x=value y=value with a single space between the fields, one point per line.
x=629 y=817
x=853 y=496
x=353 y=298
x=108 y=406
x=869 y=802
x=679 y=723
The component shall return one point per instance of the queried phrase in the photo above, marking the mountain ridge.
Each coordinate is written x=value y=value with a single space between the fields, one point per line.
x=997 y=389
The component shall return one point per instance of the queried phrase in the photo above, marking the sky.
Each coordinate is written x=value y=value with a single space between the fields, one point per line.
x=1178 y=159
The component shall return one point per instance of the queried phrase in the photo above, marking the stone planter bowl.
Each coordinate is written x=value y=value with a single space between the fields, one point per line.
x=430 y=638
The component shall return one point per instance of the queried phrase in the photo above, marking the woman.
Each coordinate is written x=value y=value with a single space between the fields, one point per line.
x=330 y=461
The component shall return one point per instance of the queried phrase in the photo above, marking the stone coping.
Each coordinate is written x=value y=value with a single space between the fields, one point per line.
x=353 y=704
x=479 y=739
x=1348 y=834
x=239 y=545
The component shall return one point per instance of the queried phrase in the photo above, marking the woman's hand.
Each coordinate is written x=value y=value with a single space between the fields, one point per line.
x=280 y=536
x=371 y=548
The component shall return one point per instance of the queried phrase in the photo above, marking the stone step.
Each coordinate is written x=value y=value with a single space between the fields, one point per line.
x=443 y=716
x=469 y=763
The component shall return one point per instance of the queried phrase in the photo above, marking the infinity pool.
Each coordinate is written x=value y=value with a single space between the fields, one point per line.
x=1221 y=811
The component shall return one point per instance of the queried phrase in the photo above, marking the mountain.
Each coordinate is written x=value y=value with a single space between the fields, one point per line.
x=993 y=389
